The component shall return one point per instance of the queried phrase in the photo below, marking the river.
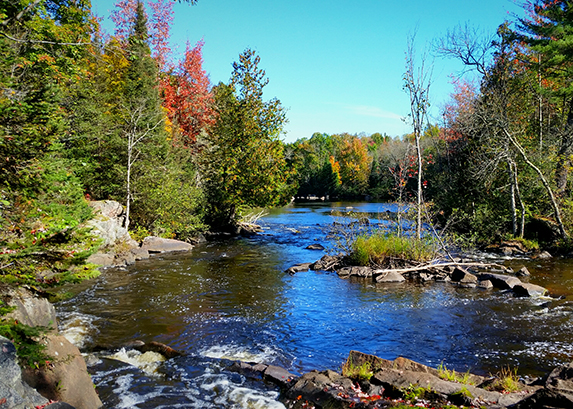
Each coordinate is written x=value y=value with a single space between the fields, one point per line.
x=231 y=300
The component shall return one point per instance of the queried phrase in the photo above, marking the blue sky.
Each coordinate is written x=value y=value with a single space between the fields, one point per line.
x=336 y=65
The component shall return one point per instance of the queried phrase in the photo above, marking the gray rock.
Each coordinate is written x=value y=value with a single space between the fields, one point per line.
x=108 y=224
x=501 y=281
x=523 y=272
x=355 y=272
x=485 y=284
x=160 y=245
x=389 y=277
x=298 y=268
x=67 y=378
x=278 y=375
x=140 y=254
x=460 y=275
x=17 y=394
x=544 y=255
x=31 y=310
x=102 y=259
x=529 y=290
x=327 y=263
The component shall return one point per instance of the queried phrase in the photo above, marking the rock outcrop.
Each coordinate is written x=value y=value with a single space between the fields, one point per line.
x=31 y=309
x=66 y=378
x=14 y=392
x=368 y=381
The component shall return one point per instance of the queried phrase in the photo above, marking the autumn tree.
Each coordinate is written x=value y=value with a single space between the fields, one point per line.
x=244 y=165
x=188 y=98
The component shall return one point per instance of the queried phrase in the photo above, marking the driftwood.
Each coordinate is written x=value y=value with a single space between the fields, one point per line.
x=423 y=267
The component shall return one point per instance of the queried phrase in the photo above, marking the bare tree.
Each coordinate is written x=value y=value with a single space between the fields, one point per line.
x=492 y=116
x=417 y=80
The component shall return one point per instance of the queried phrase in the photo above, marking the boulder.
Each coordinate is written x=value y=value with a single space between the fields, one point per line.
x=345 y=272
x=501 y=281
x=298 y=268
x=529 y=290
x=30 y=309
x=108 y=224
x=160 y=245
x=278 y=376
x=327 y=263
x=544 y=255
x=102 y=259
x=460 y=275
x=389 y=277
x=66 y=378
x=14 y=393
x=523 y=272
x=485 y=284
x=140 y=254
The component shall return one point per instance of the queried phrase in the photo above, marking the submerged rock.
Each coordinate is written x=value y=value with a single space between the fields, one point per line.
x=315 y=246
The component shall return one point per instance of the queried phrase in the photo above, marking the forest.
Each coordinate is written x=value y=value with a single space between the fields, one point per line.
x=87 y=115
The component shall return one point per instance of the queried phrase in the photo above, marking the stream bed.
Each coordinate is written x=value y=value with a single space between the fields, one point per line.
x=231 y=300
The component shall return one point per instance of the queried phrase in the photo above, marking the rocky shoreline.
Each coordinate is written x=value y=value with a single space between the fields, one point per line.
x=368 y=381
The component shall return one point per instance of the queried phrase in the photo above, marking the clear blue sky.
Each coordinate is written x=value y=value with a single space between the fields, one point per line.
x=336 y=65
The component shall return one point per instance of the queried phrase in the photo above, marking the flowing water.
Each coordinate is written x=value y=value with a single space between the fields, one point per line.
x=231 y=300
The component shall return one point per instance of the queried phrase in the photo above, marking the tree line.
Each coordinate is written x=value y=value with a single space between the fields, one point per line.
x=85 y=114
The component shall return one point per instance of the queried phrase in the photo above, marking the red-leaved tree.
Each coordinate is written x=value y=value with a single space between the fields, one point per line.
x=188 y=97
x=161 y=20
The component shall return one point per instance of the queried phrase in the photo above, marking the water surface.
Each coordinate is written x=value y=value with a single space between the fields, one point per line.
x=231 y=300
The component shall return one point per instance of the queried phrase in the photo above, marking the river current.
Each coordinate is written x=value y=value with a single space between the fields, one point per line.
x=231 y=300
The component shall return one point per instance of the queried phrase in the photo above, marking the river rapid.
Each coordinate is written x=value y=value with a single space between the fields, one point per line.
x=231 y=300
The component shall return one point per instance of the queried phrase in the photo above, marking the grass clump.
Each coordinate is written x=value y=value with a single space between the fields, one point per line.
x=453 y=376
x=357 y=372
x=378 y=247
x=507 y=381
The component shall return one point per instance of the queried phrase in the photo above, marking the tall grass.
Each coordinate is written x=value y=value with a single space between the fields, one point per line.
x=376 y=248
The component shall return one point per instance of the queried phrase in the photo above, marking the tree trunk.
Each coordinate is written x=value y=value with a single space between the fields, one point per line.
x=512 y=198
x=554 y=204
x=563 y=161
x=419 y=215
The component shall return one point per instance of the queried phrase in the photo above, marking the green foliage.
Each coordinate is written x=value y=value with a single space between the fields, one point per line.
x=413 y=393
x=361 y=372
x=245 y=166
x=26 y=339
x=453 y=376
x=506 y=380
x=374 y=249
